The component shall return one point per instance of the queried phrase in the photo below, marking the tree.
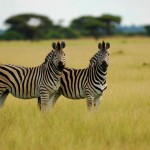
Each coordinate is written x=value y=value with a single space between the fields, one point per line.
x=31 y=26
x=80 y=23
x=95 y=28
x=110 y=22
x=88 y=26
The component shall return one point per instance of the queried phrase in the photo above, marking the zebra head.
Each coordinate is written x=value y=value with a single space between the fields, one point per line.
x=103 y=56
x=59 y=55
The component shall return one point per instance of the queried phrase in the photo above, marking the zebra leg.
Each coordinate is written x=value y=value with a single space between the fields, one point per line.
x=89 y=102
x=50 y=101
x=43 y=100
x=57 y=95
x=39 y=103
x=3 y=98
x=97 y=102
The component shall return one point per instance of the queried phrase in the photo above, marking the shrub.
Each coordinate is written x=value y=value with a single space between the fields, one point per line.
x=11 y=35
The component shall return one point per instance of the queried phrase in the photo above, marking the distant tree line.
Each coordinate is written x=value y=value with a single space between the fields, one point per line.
x=37 y=27
x=147 y=27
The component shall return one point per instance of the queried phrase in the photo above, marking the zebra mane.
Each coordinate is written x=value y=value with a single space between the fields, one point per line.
x=48 y=57
x=94 y=59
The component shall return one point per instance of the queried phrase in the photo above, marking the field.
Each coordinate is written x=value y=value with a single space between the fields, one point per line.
x=123 y=121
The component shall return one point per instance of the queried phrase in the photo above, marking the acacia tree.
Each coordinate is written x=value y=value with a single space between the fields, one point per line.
x=88 y=26
x=95 y=28
x=110 y=22
x=80 y=23
x=31 y=26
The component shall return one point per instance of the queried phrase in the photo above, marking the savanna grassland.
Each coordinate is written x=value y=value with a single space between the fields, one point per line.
x=123 y=121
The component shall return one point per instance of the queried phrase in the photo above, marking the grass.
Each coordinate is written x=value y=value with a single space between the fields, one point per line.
x=123 y=120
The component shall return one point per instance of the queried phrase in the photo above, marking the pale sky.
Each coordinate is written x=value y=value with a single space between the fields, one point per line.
x=133 y=12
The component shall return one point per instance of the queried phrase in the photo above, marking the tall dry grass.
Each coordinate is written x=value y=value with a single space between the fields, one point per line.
x=123 y=120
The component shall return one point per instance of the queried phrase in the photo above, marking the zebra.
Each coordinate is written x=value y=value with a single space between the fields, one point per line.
x=86 y=83
x=35 y=82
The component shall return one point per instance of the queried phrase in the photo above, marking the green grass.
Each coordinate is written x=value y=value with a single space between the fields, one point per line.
x=123 y=121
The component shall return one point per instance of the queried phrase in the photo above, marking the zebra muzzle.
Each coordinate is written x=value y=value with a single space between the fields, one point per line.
x=61 y=66
x=104 y=65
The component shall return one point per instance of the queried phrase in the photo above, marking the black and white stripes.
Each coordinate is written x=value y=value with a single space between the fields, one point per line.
x=50 y=80
x=40 y=82
x=87 y=83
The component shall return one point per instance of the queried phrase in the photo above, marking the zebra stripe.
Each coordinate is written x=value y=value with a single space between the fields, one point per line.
x=36 y=82
x=86 y=83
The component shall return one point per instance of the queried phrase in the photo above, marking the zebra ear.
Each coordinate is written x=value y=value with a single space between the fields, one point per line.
x=63 y=44
x=99 y=46
x=103 y=45
x=107 y=45
x=54 y=46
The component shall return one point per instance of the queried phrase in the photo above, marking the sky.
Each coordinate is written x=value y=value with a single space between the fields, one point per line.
x=132 y=12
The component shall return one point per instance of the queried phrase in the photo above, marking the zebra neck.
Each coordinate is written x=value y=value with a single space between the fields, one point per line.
x=98 y=70
x=52 y=70
x=102 y=69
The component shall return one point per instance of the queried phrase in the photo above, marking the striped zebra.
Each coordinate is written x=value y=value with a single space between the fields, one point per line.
x=86 y=83
x=36 y=82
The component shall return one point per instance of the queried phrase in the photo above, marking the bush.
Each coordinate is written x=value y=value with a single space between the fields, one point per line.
x=54 y=34
x=71 y=33
x=11 y=35
x=62 y=33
